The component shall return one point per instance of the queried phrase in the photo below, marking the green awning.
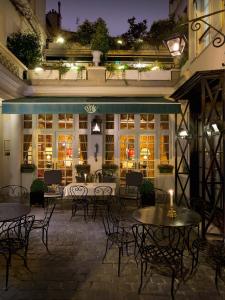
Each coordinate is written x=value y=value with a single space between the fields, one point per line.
x=99 y=105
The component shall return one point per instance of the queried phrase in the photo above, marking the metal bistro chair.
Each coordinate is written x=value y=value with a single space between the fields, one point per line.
x=43 y=224
x=116 y=234
x=102 y=199
x=14 y=193
x=132 y=185
x=161 y=248
x=80 y=200
x=14 y=240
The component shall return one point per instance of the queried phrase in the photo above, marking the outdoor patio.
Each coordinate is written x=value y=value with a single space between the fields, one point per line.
x=74 y=269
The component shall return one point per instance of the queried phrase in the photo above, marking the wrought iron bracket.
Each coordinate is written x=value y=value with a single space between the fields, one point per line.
x=196 y=24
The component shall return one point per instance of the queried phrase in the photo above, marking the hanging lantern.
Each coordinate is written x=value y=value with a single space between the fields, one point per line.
x=96 y=126
x=176 y=44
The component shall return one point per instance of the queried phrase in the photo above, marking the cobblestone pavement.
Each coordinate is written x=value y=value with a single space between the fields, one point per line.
x=74 y=269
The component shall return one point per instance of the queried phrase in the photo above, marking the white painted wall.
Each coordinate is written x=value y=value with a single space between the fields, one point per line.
x=11 y=163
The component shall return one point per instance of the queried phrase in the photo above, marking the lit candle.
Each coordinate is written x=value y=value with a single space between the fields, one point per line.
x=171 y=197
x=85 y=177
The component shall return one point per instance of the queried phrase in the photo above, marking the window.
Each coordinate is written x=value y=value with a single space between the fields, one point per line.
x=83 y=121
x=65 y=156
x=127 y=121
x=27 y=121
x=82 y=152
x=164 y=122
x=109 y=149
x=147 y=156
x=27 y=149
x=65 y=121
x=109 y=121
x=147 y=121
x=45 y=144
x=44 y=121
x=164 y=149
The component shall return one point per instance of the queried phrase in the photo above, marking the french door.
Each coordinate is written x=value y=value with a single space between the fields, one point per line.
x=55 y=151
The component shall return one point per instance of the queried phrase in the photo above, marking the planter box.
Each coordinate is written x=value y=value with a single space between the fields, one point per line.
x=74 y=75
x=29 y=168
x=156 y=75
x=131 y=74
x=165 y=170
x=45 y=74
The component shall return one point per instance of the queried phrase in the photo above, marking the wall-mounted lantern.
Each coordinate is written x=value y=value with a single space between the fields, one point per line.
x=184 y=134
x=96 y=126
x=176 y=44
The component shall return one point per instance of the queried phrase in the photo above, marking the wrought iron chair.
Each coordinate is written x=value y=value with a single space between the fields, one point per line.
x=102 y=199
x=211 y=253
x=104 y=176
x=162 y=249
x=80 y=200
x=117 y=234
x=14 y=193
x=43 y=224
x=14 y=240
x=131 y=189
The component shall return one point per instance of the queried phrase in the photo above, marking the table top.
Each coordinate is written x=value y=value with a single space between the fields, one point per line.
x=90 y=186
x=10 y=211
x=157 y=215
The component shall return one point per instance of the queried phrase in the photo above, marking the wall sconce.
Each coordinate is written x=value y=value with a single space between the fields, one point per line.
x=96 y=126
x=184 y=134
x=176 y=44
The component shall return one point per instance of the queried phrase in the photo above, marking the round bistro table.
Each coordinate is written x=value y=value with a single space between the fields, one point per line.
x=11 y=211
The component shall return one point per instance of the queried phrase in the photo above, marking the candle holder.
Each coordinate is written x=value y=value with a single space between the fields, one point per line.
x=171 y=212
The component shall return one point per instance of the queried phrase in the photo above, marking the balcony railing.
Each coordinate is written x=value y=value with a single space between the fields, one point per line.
x=10 y=62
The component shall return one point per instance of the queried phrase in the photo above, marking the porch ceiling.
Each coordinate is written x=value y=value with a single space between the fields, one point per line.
x=98 y=105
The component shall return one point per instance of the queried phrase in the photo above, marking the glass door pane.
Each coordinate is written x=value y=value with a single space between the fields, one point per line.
x=45 y=152
x=127 y=154
x=65 y=157
x=146 y=155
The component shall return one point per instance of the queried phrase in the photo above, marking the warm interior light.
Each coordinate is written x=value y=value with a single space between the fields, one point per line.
x=60 y=40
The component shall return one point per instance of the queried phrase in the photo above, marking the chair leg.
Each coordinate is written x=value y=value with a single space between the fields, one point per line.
x=45 y=237
x=140 y=286
x=106 y=249
x=119 y=259
x=8 y=263
x=172 y=285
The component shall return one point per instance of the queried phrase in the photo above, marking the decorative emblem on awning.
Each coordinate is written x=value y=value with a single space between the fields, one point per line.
x=90 y=108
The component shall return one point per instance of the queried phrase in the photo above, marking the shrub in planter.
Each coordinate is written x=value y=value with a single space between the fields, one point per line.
x=83 y=169
x=109 y=167
x=165 y=168
x=37 y=190
x=147 y=193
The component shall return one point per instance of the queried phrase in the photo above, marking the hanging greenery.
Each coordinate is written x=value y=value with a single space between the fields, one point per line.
x=26 y=47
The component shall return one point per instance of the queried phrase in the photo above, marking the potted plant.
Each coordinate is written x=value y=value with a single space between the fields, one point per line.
x=147 y=193
x=100 y=41
x=112 y=168
x=37 y=190
x=165 y=168
x=27 y=168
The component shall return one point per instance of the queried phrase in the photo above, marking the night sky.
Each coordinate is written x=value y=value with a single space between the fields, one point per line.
x=114 y=12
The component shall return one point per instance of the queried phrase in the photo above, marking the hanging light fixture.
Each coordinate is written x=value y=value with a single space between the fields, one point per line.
x=214 y=128
x=96 y=126
x=176 y=44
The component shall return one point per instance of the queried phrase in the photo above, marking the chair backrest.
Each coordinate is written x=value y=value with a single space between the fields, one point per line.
x=110 y=222
x=104 y=175
x=103 y=190
x=160 y=243
x=13 y=193
x=161 y=196
x=78 y=190
x=16 y=233
x=134 y=179
x=49 y=209
x=53 y=177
